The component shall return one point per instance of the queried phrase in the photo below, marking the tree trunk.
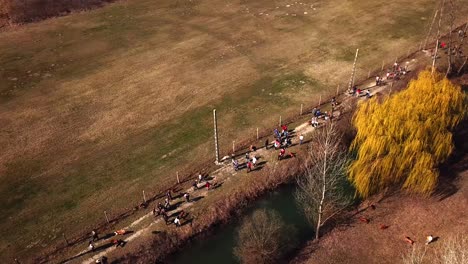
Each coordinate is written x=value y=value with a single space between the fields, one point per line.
x=324 y=189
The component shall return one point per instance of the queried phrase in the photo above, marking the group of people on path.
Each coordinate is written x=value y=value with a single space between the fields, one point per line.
x=162 y=210
x=117 y=242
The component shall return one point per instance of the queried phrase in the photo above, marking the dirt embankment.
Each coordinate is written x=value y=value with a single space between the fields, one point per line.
x=25 y=11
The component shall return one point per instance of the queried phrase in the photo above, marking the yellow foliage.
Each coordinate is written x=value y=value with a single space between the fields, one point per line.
x=403 y=139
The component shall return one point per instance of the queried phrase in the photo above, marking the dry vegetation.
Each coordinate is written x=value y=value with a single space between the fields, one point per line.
x=407 y=146
x=97 y=106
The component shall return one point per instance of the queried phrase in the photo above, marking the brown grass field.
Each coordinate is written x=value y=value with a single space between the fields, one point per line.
x=97 y=106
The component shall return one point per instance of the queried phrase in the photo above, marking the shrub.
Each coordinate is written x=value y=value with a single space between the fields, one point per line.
x=263 y=238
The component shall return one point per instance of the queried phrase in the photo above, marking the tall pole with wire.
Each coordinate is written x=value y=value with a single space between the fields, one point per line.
x=351 y=80
x=215 y=123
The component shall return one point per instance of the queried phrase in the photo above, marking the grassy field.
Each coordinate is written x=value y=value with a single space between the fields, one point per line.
x=97 y=106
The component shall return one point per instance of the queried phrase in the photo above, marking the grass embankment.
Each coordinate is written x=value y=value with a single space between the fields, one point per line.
x=98 y=106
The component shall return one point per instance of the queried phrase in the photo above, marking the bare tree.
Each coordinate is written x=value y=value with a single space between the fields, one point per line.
x=322 y=189
x=451 y=251
x=263 y=238
x=416 y=256
x=450 y=42
x=454 y=250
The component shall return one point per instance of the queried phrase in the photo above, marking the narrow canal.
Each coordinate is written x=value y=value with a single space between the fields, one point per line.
x=219 y=247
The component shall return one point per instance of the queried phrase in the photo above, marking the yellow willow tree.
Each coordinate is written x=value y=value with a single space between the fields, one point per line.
x=403 y=139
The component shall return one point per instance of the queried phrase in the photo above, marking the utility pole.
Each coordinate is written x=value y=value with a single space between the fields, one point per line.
x=351 y=80
x=215 y=123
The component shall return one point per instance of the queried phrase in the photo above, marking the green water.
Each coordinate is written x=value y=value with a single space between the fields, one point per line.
x=218 y=248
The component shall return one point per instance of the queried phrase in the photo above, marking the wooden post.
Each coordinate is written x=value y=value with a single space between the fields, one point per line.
x=257 y=133
x=107 y=218
x=420 y=46
x=215 y=124
x=144 y=196
x=338 y=90
x=233 y=146
x=353 y=72
x=407 y=54
x=368 y=74
x=177 y=175
x=66 y=240
x=383 y=65
x=280 y=121
x=320 y=100
x=301 y=109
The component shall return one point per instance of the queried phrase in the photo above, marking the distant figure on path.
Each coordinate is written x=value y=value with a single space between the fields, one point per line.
x=249 y=166
x=187 y=197
x=281 y=154
x=266 y=143
x=195 y=185
x=368 y=95
x=177 y=221
x=94 y=235
x=200 y=178
x=276 y=144
x=91 y=246
x=235 y=164
x=301 y=139
x=254 y=161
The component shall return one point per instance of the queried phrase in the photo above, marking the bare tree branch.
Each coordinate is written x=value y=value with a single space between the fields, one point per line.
x=320 y=189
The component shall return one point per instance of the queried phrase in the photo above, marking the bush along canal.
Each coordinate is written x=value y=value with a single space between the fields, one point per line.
x=219 y=247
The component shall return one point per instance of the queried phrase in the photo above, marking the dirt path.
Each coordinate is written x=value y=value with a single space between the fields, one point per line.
x=147 y=223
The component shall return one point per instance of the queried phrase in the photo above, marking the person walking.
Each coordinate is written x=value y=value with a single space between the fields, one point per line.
x=94 y=235
x=200 y=178
x=266 y=143
x=187 y=197
x=91 y=246
x=301 y=139
x=177 y=221
x=167 y=204
x=254 y=161
x=249 y=166
x=235 y=164
x=169 y=195
x=195 y=185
